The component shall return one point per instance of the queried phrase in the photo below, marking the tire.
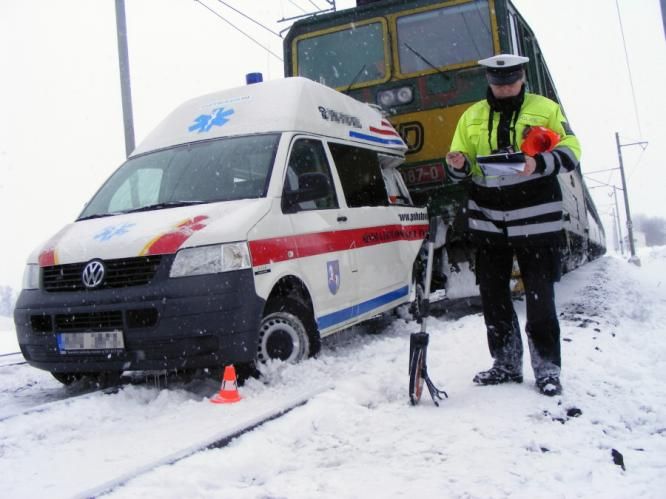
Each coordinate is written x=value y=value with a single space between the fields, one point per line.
x=67 y=378
x=282 y=336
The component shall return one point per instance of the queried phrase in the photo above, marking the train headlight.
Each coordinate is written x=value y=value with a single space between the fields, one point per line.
x=405 y=95
x=395 y=96
x=386 y=98
x=210 y=259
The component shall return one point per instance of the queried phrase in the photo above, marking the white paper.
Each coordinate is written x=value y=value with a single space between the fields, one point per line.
x=496 y=169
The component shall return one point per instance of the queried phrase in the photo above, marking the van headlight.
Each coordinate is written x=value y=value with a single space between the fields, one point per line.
x=31 y=276
x=211 y=259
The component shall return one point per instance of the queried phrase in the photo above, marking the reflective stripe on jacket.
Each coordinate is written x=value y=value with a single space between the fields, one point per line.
x=512 y=208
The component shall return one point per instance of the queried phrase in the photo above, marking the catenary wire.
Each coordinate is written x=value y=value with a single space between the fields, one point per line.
x=297 y=6
x=626 y=58
x=238 y=29
x=250 y=18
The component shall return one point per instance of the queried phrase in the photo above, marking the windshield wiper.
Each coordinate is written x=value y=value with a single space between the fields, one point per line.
x=155 y=206
x=354 y=80
x=163 y=205
x=424 y=59
x=96 y=215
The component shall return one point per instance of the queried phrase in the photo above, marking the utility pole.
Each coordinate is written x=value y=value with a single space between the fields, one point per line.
x=633 y=258
x=618 y=227
x=125 y=88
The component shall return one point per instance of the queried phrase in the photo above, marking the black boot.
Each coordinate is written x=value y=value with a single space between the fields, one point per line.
x=497 y=375
x=549 y=386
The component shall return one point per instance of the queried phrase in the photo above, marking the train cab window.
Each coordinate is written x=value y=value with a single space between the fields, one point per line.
x=360 y=175
x=443 y=37
x=346 y=57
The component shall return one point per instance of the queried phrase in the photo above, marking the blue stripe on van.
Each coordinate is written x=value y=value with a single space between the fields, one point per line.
x=348 y=313
x=372 y=138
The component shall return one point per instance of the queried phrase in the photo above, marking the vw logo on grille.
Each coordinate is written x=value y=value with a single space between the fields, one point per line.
x=93 y=274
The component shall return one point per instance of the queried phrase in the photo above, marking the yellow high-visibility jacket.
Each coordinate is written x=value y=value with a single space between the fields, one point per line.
x=511 y=208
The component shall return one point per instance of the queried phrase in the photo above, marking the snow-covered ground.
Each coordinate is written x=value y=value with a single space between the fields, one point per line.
x=360 y=437
x=8 y=341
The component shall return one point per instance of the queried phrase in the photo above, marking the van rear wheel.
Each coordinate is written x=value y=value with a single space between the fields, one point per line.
x=67 y=378
x=282 y=336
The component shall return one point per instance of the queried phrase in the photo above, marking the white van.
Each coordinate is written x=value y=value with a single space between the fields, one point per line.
x=248 y=225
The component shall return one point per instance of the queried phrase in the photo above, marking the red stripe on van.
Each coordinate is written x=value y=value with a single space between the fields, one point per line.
x=383 y=131
x=170 y=242
x=278 y=249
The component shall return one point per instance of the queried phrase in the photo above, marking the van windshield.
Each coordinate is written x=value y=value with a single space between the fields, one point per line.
x=204 y=172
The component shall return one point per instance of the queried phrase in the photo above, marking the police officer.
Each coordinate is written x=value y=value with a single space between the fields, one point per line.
x=515 y=214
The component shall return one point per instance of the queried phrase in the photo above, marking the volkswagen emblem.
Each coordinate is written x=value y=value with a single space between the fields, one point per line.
x=93 y=274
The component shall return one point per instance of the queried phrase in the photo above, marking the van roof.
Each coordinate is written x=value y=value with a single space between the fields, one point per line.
x=289 y=104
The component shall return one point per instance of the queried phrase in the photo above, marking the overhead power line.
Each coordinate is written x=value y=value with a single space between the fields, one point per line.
x=297 y=6
x=626 y=58
x=250 y=18
x=239 y=30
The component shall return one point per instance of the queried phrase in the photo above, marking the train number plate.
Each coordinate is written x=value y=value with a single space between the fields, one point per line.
x=87 y=342
x=424 y=174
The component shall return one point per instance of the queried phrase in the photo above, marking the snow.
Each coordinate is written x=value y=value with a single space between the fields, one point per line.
x=359 y=437
x=8 y=341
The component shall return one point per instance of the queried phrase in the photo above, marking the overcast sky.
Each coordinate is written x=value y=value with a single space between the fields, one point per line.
x=61 y=131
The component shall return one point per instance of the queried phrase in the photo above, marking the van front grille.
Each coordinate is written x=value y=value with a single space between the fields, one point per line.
x=89 y=321
x=120 y=273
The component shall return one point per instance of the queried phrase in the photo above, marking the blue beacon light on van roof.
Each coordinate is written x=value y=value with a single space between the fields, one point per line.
x=251 y=78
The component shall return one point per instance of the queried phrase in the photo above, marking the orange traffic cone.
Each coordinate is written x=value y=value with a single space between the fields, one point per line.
x=228 y=394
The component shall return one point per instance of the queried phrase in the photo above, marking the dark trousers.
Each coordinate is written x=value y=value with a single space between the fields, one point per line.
x=539 y=269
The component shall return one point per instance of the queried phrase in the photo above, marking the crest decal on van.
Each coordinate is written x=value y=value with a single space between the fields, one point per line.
x=333 y=272
x=204 y=122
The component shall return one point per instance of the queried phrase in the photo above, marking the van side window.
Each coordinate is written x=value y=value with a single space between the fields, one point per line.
x=308 y=156
x=361 y=176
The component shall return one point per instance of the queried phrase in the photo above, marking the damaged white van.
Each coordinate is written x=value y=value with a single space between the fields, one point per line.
x=248 y=225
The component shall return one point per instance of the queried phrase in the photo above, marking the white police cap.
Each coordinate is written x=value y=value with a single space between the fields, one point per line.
x=502 y=61
x=504 y=69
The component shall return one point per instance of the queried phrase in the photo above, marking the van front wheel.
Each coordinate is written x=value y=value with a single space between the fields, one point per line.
x=282 y=336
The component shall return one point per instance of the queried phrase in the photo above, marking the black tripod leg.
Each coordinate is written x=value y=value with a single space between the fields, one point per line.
x=418 y=343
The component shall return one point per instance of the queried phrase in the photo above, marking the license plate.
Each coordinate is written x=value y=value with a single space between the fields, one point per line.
x=424 y=174
x=100 y=341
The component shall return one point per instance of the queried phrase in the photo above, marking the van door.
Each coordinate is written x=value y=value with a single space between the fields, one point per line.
x=382 y=275
x=318 y=229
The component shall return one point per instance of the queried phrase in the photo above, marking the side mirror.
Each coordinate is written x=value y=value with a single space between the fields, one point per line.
x=312 y=186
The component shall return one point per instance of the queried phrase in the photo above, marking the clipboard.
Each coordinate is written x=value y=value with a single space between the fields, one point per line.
x=503 y=163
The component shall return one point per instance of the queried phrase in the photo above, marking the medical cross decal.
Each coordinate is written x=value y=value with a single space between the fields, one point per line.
x=112 y=231
x=204 y=122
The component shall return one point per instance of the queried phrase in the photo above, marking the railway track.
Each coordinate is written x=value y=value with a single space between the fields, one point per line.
x=11 y=359
x=48 y=406
x=215 y=441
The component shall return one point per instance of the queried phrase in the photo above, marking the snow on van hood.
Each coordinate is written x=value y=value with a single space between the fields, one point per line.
x=152 y=232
